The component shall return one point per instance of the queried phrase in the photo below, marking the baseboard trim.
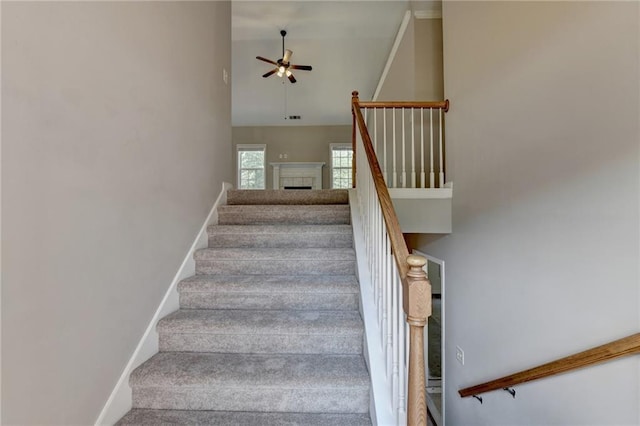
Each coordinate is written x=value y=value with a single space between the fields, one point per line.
x=120 y=401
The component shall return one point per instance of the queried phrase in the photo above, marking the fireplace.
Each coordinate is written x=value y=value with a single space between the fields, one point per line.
x=297 y=175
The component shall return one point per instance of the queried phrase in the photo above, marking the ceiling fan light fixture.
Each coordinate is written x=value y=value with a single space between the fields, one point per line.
x=286 y=55
x=283 y=65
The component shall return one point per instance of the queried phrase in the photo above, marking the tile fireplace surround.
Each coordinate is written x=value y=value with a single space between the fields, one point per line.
x=295 y=175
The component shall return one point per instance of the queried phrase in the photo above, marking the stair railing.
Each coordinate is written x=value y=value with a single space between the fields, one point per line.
x=629 y=345
x=408 y=139
x=401 y=290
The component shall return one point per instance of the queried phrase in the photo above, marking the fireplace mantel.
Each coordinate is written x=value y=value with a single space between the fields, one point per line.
x=297 y=174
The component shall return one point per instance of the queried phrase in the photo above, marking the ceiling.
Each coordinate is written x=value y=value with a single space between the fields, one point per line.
x=346 y=42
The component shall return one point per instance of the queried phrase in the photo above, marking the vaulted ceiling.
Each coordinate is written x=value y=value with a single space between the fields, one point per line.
x=346 y=42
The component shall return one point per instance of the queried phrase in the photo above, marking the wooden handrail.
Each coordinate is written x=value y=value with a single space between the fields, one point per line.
x=619 y=348
x=444 y=105
x=416 y=289
x=390 y=218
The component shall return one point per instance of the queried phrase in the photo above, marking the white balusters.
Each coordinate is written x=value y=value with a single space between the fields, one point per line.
x=404 y=154
x=375 y=130
x=395 y=380
x=397 y=358
x=422 y=175
x=441 y=152
x=386 y=287
x=397 y=151
x=384 y=148
x=413 y=151
x=394 y=151
x=432 y=176
x=403 y=351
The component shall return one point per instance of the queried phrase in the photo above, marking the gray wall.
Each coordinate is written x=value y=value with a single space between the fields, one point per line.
x=116 y=139
x=300 y=143
x=429 y=85
x=399 y=83
x=543 y=260
x=416 y=71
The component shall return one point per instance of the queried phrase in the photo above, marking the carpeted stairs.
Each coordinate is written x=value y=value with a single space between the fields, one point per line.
x=268 y=331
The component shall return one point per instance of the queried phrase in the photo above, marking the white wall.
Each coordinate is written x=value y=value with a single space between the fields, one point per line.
x=115 y=139
x=543 y=260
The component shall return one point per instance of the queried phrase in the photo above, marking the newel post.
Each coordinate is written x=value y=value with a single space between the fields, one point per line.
x=354 y=104
x=417 y=306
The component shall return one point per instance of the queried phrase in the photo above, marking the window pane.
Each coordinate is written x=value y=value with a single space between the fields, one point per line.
x=251 y=159
x=341 y=163
x=251 y=169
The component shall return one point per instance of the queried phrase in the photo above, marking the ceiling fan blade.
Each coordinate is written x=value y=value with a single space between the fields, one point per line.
x=266 y=60
x=287 y=56
x=301 y=67
x=292 y=78
x=270 y=73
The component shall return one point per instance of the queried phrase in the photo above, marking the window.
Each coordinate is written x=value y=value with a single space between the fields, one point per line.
x=251 y=166
x=341 y=162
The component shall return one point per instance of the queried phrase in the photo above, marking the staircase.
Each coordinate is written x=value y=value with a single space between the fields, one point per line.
x=268 y=331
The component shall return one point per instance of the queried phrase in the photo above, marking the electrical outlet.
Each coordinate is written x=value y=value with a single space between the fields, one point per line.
x=225 y=76
x=460 y=355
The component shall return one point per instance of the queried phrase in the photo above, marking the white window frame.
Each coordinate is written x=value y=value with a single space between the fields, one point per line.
x=332 y=147
x=251 y=147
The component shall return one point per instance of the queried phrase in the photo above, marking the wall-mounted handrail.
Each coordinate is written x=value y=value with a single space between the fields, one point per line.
x=619 y=348
x=400 y=287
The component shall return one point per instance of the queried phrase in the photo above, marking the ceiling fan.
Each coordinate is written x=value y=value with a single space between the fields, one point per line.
x=283 y=66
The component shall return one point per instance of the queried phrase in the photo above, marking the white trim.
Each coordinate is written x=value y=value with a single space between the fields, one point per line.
x=420 y=193
x=120 y=400
x=0 y=240
x=251 y=147
x=381 y=405
x=427 y=14
x=392 y=55
x=443 y=322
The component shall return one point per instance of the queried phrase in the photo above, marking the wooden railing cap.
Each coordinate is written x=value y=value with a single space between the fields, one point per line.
x=415 y=260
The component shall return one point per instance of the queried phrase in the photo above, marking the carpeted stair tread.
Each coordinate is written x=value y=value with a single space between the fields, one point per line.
x=199 y=370
x=291 y=236
x=139 y=416
x=346 y=284
x=337 y=214
x=259 y=267
x=278 y=229
x=255 y=254
x=262 y=331
x=262 y=322
x=295 y=292
x=275 y=197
